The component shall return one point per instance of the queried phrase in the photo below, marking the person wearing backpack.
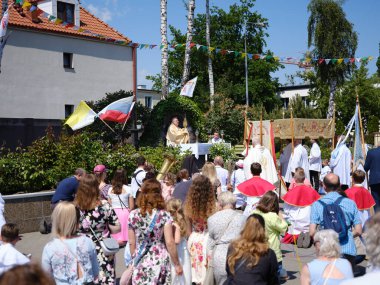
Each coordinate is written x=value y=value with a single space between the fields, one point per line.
x=336 y=212
x=138 y=176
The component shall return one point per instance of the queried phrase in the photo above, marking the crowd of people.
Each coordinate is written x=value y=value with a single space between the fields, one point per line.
x=208 y=227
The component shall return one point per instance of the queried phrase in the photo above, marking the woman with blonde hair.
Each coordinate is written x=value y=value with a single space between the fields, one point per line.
x=151 y=238
x=199 y=206
x=97 y=221
x=167 y=185
x=209 y=171
x=182 y=230
x=70 y=257
x=249 y=258
x=328 y=268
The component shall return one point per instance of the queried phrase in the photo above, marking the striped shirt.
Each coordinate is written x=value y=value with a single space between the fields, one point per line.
x=351 y=215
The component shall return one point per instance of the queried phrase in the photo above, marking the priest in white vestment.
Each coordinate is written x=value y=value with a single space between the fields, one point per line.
x=175 y=134
x=340 y=163
x=263 y=156
x=299 y=158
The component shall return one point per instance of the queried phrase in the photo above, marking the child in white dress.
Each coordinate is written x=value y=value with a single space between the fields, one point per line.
x=181 y=233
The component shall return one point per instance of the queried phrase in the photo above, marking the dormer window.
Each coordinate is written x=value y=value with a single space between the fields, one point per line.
x=65 y=12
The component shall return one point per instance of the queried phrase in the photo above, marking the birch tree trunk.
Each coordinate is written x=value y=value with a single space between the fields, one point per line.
x=330 y=111
x=164 y=51
x=210 y=72
x=189 y=38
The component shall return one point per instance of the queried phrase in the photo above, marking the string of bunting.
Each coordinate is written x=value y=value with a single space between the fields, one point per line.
x=285 y=60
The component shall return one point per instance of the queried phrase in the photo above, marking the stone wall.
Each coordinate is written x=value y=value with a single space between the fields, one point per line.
x=28 y=210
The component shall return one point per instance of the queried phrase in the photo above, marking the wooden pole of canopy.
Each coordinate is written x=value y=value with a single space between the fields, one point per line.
x=292 y=126
x=261 y=126
x=333 y=128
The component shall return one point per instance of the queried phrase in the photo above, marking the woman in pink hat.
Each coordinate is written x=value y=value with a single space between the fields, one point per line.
x=100 y=172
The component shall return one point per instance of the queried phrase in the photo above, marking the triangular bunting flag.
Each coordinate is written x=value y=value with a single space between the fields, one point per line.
x=340 y=60
x=333 y=61
x=327 y=60
x=352 y=60
x=211 y=49
x=358 y=59
x=198 y=46
x=321 y=60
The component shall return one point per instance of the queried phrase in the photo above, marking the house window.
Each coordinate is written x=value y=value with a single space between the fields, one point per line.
x=148 y=102
x=68 y=60
x=69 y=109
x=65 y=12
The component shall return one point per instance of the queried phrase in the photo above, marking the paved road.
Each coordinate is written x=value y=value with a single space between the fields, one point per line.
x=34 y=242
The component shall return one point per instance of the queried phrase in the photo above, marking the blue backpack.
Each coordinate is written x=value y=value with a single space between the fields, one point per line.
x=334 y=219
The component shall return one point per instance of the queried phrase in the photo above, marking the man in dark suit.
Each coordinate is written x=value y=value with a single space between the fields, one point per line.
x=372 y=164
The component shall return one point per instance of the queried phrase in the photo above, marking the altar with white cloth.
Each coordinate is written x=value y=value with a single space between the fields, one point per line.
x=199 y=148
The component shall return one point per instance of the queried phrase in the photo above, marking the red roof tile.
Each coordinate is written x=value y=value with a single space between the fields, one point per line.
x=87 y=22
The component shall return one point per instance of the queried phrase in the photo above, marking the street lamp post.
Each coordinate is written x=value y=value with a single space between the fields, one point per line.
x=257 y=24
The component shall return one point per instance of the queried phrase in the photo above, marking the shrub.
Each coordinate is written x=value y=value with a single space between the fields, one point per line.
x=222 y=150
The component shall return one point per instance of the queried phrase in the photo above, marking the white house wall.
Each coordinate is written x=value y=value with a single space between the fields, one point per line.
x=34 y=84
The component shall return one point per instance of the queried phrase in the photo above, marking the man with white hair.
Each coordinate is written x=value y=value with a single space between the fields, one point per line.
x=262 y=156
x=340 y=163
x=221 y=172
x=299 y=158
x=237 y=178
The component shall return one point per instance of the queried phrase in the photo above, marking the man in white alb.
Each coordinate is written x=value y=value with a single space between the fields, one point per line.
x=299 y=158
x=262 y=156
x=315 y=164
x=340 y=163
x=138 y=176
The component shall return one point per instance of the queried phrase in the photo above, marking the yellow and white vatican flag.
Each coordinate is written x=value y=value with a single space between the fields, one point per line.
x=82 y=117
x=189 y=87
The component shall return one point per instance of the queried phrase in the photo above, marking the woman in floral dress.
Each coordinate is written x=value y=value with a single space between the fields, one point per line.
x=154 y=265
x=99 y=216
x=199 y=205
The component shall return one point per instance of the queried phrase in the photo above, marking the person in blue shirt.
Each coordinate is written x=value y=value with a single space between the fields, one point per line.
x=67 y=188
x=332 y=187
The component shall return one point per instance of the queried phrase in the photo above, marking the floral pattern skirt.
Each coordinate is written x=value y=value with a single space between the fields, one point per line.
x=154 y=267
x=197 y=245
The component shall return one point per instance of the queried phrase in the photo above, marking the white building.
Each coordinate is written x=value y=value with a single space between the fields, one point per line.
x=288 y=92
x=147 y=97
x=47 y=68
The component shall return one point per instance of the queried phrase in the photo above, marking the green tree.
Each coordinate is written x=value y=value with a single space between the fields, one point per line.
x=332 y=36
x=369 y=98
x=229 y=74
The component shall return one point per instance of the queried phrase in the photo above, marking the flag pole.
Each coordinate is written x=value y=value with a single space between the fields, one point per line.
x=360 y=122
x=129 y=114
x=333 y=128
x=107 y=125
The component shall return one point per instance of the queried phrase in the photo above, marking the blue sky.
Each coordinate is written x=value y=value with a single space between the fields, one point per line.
x=140 y=21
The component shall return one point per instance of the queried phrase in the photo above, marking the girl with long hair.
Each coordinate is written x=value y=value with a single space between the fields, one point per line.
x=209 y=171
x=121 y=199
x=151 y=238
x=249 y=258
x=97 y=221
x=199 y=206
x=275 y=225
x=100 y=173
x=181 y=234
x=70 y=257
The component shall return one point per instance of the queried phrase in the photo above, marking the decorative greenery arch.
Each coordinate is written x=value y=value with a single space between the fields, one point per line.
x=164 y=111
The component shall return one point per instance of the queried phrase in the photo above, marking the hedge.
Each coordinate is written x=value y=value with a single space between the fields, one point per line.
x=49 y=159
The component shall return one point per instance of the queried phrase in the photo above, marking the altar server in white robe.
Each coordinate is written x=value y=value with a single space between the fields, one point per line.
x=340 y=163
x=263 y=156
x=315 y=164
x=299 y=158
